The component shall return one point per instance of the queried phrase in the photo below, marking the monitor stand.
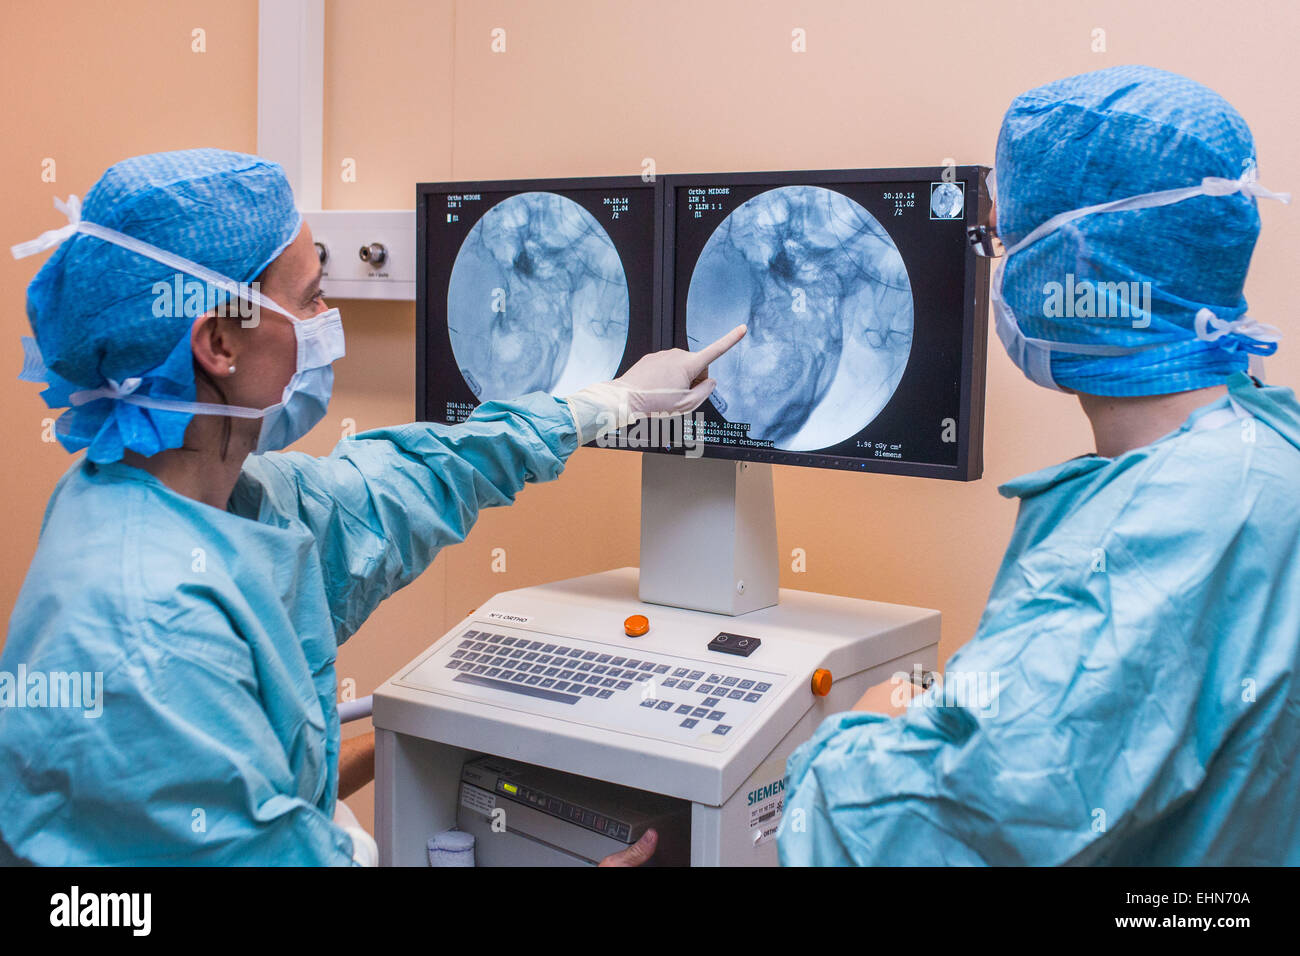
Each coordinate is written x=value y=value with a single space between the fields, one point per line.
x=708 y=534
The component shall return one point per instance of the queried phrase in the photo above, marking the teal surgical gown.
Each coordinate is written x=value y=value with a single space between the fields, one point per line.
x=215 y=634
x=1131 y=694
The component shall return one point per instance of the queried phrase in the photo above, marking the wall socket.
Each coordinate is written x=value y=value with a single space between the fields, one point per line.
x=369 y=254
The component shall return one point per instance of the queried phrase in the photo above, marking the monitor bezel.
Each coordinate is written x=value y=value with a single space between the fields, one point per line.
x=970 y=423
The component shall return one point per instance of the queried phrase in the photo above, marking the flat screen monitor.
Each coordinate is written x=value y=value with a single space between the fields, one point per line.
x=532 y=285
x=866 y=307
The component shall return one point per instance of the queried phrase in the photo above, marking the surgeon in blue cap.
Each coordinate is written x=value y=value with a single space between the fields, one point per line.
x=195 y=579
x=1131 y=695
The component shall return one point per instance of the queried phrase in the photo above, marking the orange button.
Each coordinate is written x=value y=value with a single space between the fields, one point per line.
x=636 y=625
x=821 y=682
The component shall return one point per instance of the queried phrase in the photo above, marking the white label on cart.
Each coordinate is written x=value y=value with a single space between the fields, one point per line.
x=509 y=618
x=766 y=804
x=477 y=799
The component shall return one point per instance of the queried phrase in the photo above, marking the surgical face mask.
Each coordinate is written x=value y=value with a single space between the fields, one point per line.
x=1033 y=356
x=304 y=399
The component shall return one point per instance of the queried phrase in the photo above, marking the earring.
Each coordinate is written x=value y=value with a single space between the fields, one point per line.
x=232 y=370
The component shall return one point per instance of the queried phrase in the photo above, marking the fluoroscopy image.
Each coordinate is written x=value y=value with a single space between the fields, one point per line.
x=947 y=201
x=537 y=300
x=828 y=303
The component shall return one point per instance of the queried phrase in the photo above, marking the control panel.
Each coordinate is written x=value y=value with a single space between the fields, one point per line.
x=695 y=702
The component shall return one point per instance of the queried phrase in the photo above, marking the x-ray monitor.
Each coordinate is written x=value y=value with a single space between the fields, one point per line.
x=532 y=285
x=866 y=310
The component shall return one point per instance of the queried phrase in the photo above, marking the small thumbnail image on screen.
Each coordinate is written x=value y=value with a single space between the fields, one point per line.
x=537 y=300
x=947 y=201
x=828 y=302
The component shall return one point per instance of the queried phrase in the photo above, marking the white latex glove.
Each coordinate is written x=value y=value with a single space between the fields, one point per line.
x=671 y=382
x=365 y=852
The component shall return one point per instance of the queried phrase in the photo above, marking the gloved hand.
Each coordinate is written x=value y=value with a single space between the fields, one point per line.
x=671 y=382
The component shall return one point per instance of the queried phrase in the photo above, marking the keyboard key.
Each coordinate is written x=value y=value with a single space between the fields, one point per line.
x=716 y=715
x=705 y=688
x=493 y=671
x=662 y=669
x=711 y=702
x=465 y=644
x=745 y=684
x=575 y=652
x=552 y=672
x=594 y=679
x=685 y=685
x=498 y=662
x=632 y=665
x=560 y=651
x=696 y=675
x=762 y=687
x=459 y=653
x=715 y=678
x=684 y=708
x=518 y=677
x=722 y=730
x=508 y=641
x=752 y=697
x=730 y=681
x=566 y=675
x=544 y=659
x=533 y=681
x=605 y=694
x=479 y=668
x=700 y=712
x=608 y=682
x=539 y=668
x=688 y=723
x=549 y=682
x=642 y=676
x=624 y=685
x=668 y=682
x=548 y=648
x=586 y=666
x=518 y=652
x=590 y=691
x=496 y=638
x=479 y=646
x=603 y=659
x=649 y=666
x=681 y=672
x=618 y=661
x=664 y=705
x=535 y=646
x=649 y=702
x=737 y=694
x=530 y=657
x=471 y=656
x=600 y=669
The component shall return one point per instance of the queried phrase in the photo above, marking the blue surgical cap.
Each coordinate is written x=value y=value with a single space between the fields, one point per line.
x=93 y=306
x=1108 y=135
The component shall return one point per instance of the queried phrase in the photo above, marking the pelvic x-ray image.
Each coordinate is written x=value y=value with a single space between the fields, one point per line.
x=947 y=201
x=828 y=303
x=537 y=300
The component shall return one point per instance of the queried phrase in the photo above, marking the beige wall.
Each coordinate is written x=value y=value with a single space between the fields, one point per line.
x=587 y=88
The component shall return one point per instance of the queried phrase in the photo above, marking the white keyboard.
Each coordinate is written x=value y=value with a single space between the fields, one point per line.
x=698 y=703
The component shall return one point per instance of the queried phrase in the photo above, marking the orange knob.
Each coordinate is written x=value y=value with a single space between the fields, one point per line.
x=636 y=625
x=821 y=682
